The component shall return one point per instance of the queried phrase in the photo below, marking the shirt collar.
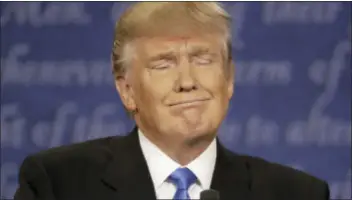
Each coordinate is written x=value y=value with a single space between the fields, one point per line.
x=203 y=166
x=161 y=166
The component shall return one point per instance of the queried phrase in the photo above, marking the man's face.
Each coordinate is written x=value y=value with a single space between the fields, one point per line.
x=179 y=86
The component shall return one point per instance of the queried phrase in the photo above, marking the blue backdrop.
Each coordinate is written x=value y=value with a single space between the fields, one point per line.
x=292 y=102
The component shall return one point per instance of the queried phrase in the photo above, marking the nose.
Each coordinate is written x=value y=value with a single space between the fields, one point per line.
x=186 y=80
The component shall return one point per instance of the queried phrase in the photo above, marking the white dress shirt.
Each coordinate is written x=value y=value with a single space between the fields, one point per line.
x=161 y=166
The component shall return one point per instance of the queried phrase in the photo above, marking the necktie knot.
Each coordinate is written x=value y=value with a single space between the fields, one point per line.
x=183 y=178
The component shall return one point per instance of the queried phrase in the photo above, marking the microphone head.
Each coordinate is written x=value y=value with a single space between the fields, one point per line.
x=209 y=195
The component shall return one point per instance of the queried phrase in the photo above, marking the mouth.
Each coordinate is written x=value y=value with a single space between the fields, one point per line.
x=189 y=103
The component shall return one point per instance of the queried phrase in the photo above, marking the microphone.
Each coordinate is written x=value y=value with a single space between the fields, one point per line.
x=209 y=195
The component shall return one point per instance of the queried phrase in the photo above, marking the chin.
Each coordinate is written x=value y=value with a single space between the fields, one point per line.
x=201 y=131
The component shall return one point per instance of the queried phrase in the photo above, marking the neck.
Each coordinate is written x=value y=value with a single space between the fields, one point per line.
x=182 y=151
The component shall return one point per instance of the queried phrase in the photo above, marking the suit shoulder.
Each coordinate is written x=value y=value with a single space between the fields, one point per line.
x=280 y=171
x=283 y=172
x=277 y=173
x=285 y=182
x=92 y=150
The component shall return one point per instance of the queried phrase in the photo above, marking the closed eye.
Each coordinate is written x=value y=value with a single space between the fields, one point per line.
x=203 y=60
x=162 y=64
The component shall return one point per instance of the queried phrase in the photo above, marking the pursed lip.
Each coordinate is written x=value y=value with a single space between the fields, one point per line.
x=190 y=102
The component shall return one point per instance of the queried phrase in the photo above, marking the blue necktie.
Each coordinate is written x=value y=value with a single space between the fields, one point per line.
x=182 y=178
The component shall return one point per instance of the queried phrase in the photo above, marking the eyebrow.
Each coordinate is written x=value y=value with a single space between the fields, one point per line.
x=197 y=51
x=162 y=56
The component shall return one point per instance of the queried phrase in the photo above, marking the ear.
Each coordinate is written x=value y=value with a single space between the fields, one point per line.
x=231 y=80
x=126 y=93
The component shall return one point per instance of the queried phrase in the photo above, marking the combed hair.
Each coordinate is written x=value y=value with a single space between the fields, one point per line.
x=167 y=18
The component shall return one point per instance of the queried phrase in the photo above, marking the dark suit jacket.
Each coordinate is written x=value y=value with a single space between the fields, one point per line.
x=114 y=168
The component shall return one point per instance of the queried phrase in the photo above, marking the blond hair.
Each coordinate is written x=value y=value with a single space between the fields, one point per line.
x=162 y=18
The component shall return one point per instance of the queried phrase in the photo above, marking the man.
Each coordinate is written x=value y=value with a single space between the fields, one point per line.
x=174 y=73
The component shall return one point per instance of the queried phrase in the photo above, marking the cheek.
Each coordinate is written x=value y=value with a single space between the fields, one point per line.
x=212 y=80
x=155 y=87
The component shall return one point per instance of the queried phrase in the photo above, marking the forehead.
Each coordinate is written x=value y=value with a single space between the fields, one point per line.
x=161 y=44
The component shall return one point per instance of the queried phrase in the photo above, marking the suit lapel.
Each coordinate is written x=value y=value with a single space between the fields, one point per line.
x=231 y=176
x=127 y=173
